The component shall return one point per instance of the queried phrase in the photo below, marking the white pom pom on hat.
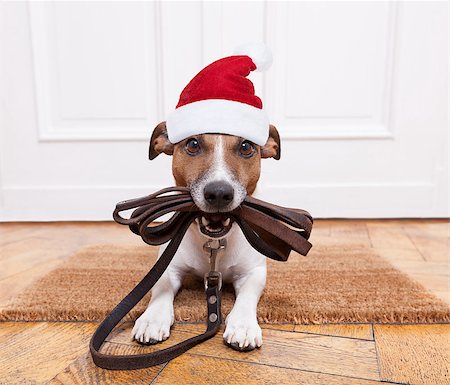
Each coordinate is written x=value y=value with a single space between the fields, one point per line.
x=258 y=52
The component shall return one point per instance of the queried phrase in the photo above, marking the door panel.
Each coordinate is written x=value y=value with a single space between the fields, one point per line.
x=358 y=91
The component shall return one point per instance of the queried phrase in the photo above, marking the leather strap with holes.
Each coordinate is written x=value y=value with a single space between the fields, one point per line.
x=272 y=230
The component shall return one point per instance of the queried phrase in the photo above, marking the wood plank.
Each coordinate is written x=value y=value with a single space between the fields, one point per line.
x=11 y=329
x=439 y=228
x=344 y=232
x=395 y=254
x=414 y=354
x=319 y=353
x=286 y=327
x=84 y=372
x=192 y=369
x=321 y=230
x=324 y=354
x=72 y=235
x=13 y=235
x=20 y=232
x=432 y=247
x=359 y=331
x=387 y=235
x=41 y=349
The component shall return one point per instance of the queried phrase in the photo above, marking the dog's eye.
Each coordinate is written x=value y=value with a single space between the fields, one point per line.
x=246 y=149
x=192 y=146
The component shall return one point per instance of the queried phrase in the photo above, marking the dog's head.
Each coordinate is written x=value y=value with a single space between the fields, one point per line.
x=220 y=170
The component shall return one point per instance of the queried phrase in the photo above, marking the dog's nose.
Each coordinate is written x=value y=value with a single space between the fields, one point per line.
x=218 y=194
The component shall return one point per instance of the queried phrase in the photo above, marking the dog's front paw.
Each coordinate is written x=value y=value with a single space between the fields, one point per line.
x=151 y=328
x=242 y=332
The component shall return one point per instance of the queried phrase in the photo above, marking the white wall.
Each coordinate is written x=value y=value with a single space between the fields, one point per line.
x=358 y=91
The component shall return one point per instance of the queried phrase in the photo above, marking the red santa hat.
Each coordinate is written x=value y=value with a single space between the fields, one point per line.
x=220 y=99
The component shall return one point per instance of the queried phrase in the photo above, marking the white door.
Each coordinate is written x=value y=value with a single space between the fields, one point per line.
x=358 y=91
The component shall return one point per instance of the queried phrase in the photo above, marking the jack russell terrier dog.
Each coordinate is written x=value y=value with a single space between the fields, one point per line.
x=217 y=137
x=220 y=171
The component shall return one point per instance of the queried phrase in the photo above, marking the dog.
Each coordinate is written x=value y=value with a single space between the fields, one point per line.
x=220 y=170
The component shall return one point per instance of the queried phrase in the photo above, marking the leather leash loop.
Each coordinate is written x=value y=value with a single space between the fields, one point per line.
x=272 y=230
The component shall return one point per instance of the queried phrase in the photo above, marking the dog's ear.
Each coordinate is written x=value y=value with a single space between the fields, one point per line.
x=160 y=142
x=272 y=148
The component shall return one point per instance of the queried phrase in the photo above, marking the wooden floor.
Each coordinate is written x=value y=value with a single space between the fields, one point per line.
x=56 y=352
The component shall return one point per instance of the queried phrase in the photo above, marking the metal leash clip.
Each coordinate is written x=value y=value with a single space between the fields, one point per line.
x=212 y=247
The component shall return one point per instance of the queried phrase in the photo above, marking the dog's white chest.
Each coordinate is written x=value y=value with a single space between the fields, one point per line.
x=236 y=259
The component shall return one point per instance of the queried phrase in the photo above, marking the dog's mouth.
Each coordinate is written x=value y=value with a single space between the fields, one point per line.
x=215 y=225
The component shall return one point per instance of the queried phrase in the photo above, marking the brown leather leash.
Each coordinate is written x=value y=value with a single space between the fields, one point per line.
x=272 y=230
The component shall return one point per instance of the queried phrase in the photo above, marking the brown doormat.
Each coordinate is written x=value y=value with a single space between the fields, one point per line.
x=332 y=284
